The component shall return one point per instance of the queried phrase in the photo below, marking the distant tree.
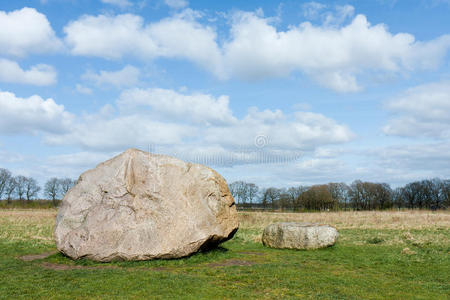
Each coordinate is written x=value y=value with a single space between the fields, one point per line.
x=340 y=193
x=294 y=193
x=5 y=177
x=318 y=197
x=66 y=184
x=383 y=196
x=10 y=189
x=21 y=186
x=270 y=197
x=244 y=193
x=445 y=187
x=285 y=201
x=411 y=193
x=369 y=195
x=52 y=189
x=356 y=194
x=31 y=188
x=264 y=200
x=426 y=193
x=252 y=192
x=237 y=189
x=397 y=197
x=438 y=194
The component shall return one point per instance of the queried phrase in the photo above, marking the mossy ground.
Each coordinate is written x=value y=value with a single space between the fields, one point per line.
x=366 y=263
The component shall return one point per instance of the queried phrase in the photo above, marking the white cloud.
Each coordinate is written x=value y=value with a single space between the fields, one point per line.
x=26 y=31
x=108 y=37
x=40 y=74
x=333 y=56
x=31 y=115
x=177 y=4
x=330 y=16
x=311 y=10
x=116 y=36
x=342 y=13
x=78 y=159
x=120 y=3
x=95 y=132
x=128 y=76
x=402 y=163
x=179 y=121
x=7 y=157
x=339 y=81
x=429 y=157
x=197 y=108
x=83 y=89
x=421 y=111
x=275 y=130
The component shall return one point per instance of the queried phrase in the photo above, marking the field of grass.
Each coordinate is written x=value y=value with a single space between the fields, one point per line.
x=379 y=255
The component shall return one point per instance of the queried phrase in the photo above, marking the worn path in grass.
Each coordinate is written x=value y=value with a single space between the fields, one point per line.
x=367 y=262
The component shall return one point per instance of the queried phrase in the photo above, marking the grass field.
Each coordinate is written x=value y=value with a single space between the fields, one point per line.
x=379 y=255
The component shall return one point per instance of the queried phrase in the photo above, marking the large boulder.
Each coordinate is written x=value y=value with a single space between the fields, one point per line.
x=139 y=206
x=293 y=235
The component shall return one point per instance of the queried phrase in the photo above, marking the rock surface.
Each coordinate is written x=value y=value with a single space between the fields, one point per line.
x=139 y=206
x=299 y=235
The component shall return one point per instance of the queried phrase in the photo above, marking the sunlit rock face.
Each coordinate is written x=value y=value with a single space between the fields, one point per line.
x=139 y=206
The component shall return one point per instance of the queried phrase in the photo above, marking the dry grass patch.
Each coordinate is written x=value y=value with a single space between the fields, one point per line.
x=27 y=224
x=415 y=227
x=37 y=225
x=404 y=220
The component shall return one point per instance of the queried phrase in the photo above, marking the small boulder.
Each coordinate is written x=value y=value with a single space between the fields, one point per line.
x=139 y=206
x=293 y=235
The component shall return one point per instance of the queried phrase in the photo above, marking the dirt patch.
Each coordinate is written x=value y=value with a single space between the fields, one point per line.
x=64 y=267
x=32 y=257
x=231 y=262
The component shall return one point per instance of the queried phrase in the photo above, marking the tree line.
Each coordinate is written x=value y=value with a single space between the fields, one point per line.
x=27 y=188
x=359 y=195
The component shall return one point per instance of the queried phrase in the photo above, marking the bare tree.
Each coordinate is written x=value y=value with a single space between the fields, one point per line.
x=445 y=193
x=236 y=189
x=10 y=188
x=31 y=188
x=384 y=196
x=66 y=184
x=397 y=197
x=52 y=189
x=252 y=192
x=244 y=192
x=294 y=193
x=339 y=192
x=271 y=196
x=284 y=199
x=21 y=183
x=5 y=177
x=411 y=194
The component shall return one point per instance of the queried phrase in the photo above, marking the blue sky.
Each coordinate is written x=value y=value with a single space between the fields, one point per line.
x=276 y=93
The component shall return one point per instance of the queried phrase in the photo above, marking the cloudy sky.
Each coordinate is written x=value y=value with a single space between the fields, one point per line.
x=276 y=93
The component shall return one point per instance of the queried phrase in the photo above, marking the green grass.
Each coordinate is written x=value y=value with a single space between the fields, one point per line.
x=365 y=264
